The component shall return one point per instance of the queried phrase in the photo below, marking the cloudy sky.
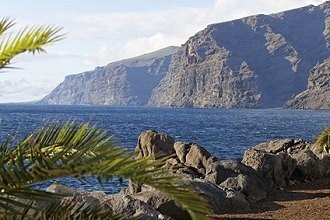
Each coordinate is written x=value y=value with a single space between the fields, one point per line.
x=102 y=31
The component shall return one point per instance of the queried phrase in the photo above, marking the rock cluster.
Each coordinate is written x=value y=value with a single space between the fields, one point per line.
x=229 y=186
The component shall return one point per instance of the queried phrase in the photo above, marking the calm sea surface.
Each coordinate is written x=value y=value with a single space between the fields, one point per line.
x=226 y=133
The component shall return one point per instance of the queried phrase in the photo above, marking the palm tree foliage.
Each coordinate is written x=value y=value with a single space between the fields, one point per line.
x=323 y=140
x=79 y=151
x=30 y=39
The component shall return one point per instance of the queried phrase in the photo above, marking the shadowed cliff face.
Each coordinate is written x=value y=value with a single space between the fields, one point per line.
x=127 y=82
x=317 y=94
x=257 y=61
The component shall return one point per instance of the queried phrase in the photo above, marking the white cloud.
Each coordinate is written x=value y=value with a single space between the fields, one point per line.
x=19 y=90
x=133 y=33
x=48 y=56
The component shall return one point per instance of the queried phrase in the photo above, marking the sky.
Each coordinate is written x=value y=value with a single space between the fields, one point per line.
x=102 y=31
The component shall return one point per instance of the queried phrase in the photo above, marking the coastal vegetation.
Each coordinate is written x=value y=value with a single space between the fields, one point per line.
x=323 y=140
x=69 y=150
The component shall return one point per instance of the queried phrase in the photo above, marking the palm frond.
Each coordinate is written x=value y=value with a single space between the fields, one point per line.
x=5 y=24
x=79 y=150
x=27 y=40
x=323 y=140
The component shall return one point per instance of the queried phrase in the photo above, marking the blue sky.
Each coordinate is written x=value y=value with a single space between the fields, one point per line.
x=103 y=31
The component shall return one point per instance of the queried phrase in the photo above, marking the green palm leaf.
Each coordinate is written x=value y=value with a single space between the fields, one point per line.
x=79 y=150
x=27 y=40
x=5 y=24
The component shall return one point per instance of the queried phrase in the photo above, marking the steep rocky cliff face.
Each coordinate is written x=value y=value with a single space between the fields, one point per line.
x=257 y=61
x=128 y=82
x=317 y=95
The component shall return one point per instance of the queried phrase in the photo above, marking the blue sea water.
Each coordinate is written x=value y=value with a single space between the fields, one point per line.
x=225 y=133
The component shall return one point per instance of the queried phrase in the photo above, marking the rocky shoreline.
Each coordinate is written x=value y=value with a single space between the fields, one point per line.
x=228 y=186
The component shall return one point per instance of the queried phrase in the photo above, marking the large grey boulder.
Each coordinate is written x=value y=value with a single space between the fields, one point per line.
x=127 y=205
x=219 y=200
x=309 y=166
x=276 y=146
x=154 y=145
x=162 y=204
x=276 y=169
x=231 y=174
x=64 y=190
x=254 y=189
x=219 y=171
x=181 y=150
x=193 y=155
x=198 y=157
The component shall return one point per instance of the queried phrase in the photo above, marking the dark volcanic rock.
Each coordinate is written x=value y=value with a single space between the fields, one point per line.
x=318 y=92
x=257 y=61
x=126 y=82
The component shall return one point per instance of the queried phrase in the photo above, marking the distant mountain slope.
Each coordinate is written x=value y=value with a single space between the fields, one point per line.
x=317 y=95
x=127 y=82
x=257 y=61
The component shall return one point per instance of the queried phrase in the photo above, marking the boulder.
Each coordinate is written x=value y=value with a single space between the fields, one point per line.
x=219 y=200
x=236 y=199
x=235 y=175
x=325 y=161
x=254 y=189
x=197 y=157
x=193 y=155
x=309 y=166
x=275 y=146
x=154 y=145
x=190 y=172
x=219 y=171
x=290 y=146
x=64 y=190
x=162 y=204
x=127 y=205
x=181 y=150
x=299 y=145
x=276 y=169
x=173 y=163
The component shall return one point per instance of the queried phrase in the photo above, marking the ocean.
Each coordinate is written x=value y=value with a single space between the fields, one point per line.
x=225 y=133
